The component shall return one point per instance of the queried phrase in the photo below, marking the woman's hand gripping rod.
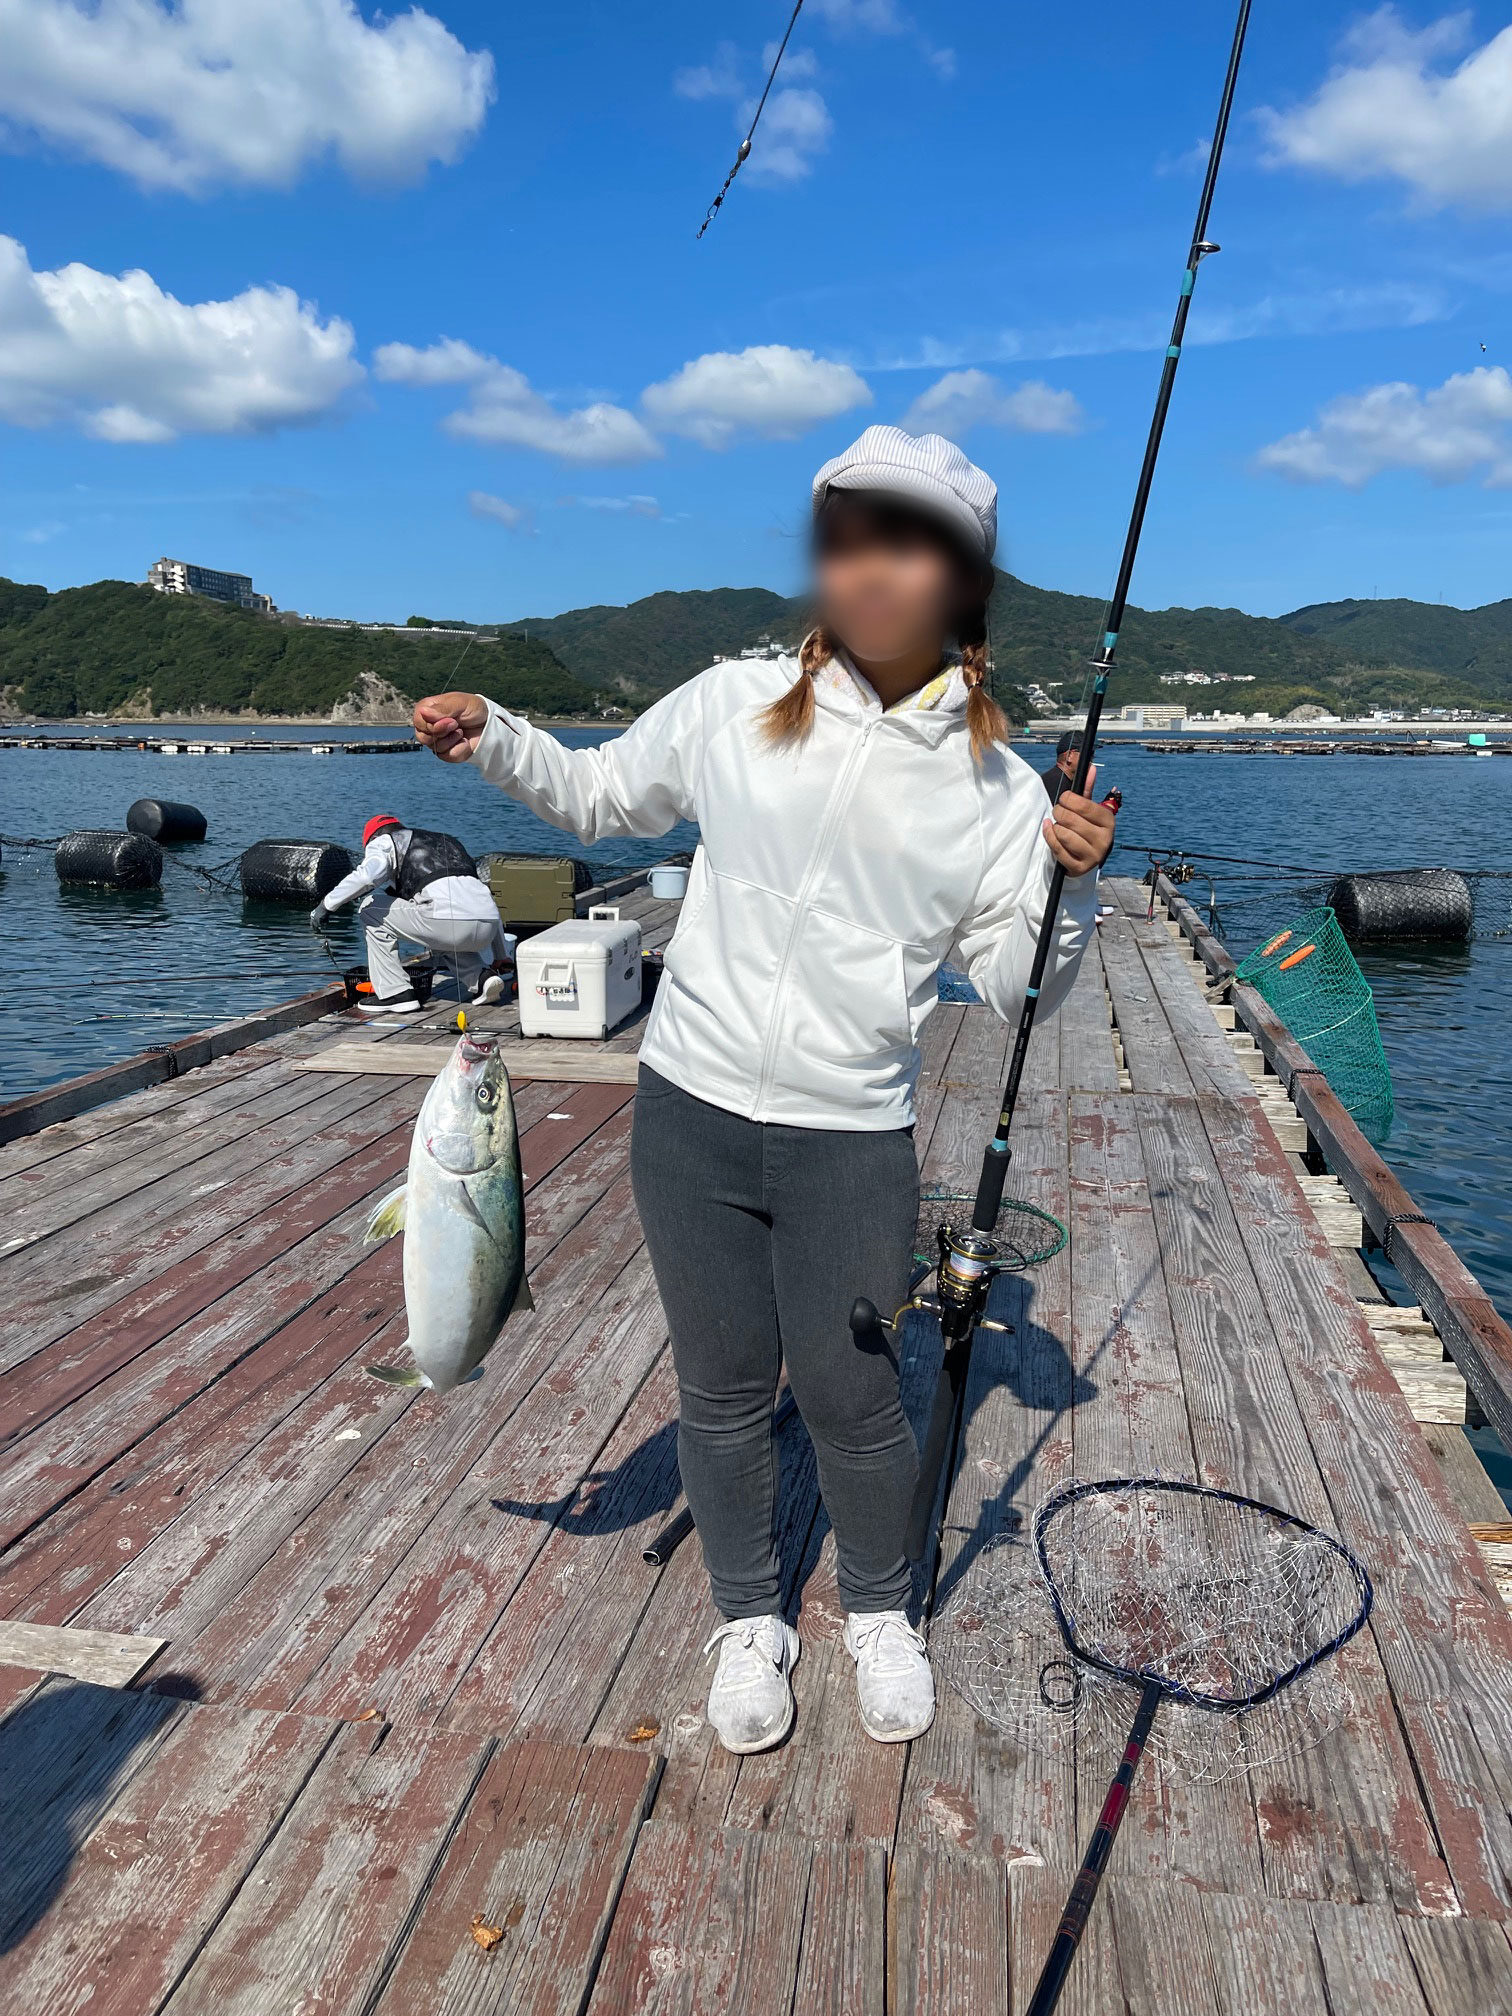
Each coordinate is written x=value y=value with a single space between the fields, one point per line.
x=969 y=1258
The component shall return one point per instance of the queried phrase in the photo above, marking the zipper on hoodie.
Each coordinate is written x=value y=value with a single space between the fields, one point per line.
x=839 y=800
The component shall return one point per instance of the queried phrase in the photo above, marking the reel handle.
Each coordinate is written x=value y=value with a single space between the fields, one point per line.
x=864 y=1316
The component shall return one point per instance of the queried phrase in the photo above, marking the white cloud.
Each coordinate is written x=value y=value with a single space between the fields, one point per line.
x=769 y=390
x=38 y=535
x=517 y=517
x=719 y=79
x=795 y=126
x=205 y=92
x=961 y=400
x=884 y=17
x=633 y=507
x=124 y=361
x=1446 y=434
x=1393 y=109
x=1190 y=161
x=1320 y=310
x=505 y=410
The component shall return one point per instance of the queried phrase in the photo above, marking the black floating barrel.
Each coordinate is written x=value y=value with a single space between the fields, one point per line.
x=1426 y=904
x=162 y=819
x=293 y=871
x=109 y=860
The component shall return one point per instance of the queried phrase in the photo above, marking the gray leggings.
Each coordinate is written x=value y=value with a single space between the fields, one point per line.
x=761 y=1237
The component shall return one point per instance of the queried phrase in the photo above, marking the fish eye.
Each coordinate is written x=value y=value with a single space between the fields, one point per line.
x=487 y=1096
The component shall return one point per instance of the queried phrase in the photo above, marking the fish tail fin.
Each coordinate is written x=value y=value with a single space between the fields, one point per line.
x=397 y=1375
x=524 y=1299
x=386 y=1217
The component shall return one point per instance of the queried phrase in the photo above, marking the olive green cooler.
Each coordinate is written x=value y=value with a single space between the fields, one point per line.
x=534 y=890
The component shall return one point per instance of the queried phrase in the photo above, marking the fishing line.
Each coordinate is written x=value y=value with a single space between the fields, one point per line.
x=745 y=145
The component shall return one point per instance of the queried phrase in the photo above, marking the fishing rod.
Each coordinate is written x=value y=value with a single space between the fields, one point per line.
x=970 y=1258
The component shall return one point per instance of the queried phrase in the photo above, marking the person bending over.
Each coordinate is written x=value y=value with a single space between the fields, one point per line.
x=423 y=887
x=859 y=812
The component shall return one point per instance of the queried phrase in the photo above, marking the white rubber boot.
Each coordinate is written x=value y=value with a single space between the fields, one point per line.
x=751 y=1698
x=893 y=1682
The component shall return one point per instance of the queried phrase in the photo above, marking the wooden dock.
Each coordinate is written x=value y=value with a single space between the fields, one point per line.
x=325 y=1696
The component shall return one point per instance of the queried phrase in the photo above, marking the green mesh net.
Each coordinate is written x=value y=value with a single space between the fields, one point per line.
x=1308 y=974
x=1025 y=1235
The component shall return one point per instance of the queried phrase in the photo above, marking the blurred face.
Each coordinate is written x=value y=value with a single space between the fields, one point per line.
x=887 y=588
x=1067 y=764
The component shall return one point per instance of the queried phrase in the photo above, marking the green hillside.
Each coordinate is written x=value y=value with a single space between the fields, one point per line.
x=1319 y=656
x=115 y=644
x=661 y=640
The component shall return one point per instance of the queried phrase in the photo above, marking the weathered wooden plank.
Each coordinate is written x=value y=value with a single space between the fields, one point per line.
x=1443 y=1634
x=1087 y=1060
x=1209 y=1059
x=1463 y=1965
x=36 y=1110
x=1036 y=1899
x=106 y=1658
x=708 y=1920
x=1151 y=1057
x=947 y=1933
x=187 y=1157
x=272 y=1637
x=329 y=1900
x=1349 y=1806
x=559 y=1063
x=1263 y=1956
x=66 y=1751
x=538 y=1856
x=1163 y=1959
x=1131 y=1419
x=968 y=1787
x=123 y=1272
x=1367 y=1969
x=163 y=1861
x=109 y=1132
x=162 y=1477
x=842 y=1963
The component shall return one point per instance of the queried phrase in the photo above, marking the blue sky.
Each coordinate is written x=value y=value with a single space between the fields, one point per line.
x=420 y=323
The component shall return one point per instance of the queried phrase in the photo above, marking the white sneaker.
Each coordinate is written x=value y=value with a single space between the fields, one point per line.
x=396 y=1004
x=751 y=1698
x=893 y=1682
x=489 y=990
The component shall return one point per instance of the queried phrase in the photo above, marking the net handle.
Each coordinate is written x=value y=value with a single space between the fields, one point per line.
x=1083 y=1895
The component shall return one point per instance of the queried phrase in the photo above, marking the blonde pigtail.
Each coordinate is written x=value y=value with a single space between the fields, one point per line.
x=790 y=718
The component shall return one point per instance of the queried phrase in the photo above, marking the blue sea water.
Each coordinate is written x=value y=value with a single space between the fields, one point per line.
x=91 y=976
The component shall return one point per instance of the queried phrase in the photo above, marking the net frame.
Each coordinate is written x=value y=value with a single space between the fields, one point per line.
x=1077 y=1491
x=1025 y=1235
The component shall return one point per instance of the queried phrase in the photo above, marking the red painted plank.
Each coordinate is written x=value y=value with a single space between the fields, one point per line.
x=538 y=1858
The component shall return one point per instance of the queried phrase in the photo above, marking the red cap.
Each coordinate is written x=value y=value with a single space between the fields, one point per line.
x=375 y=826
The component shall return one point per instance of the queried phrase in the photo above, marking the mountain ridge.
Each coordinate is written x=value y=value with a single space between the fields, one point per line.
x=118 y=647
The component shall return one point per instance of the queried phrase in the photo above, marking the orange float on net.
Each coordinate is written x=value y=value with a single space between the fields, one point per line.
x=1296 y=958
x=1274 y=945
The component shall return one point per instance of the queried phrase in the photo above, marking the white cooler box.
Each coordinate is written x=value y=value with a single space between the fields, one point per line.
x=581 y=977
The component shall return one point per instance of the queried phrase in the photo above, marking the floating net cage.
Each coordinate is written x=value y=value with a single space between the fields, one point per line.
x=1025 y=1235
x=1233 y=1607
x=1308 y=974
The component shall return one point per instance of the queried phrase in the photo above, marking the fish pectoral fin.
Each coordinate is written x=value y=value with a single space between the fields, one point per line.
x=396 y=1375
x=386 y=1218
x=524 y=1299
x=473 y=1377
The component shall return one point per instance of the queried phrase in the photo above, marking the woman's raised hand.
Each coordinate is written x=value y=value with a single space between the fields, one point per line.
x=1080 y=831
x=451 y=724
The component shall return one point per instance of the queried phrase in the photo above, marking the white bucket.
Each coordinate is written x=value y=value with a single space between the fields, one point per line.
x=669 y=884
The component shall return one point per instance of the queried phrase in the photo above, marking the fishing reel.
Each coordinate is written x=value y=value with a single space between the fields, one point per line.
x=967 y=1265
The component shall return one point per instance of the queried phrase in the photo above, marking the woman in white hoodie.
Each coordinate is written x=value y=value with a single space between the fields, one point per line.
x=858 y=811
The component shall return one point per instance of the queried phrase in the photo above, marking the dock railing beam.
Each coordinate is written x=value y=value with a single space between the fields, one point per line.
x=1477 y=1337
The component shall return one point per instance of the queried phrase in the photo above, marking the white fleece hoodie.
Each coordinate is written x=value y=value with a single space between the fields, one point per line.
x=832 y=877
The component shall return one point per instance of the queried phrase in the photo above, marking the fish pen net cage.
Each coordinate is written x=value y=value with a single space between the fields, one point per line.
x=1025 y=1236
x=1308 y=975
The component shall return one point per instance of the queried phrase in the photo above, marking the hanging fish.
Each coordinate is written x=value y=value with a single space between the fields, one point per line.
x=462 y=1213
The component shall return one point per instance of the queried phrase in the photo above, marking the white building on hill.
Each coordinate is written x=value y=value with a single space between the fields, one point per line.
x=182 y=577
